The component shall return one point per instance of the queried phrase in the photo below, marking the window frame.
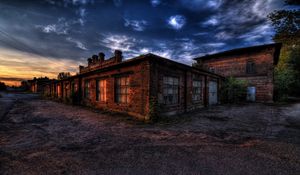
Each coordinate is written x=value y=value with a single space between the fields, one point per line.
x=168 y=87
x=101 y=90
x=122 y=90
x=250 y=67
x=194 y=89
x=87 y=85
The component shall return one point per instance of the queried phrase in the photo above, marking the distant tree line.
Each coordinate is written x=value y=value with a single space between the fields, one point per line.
x=2 y=86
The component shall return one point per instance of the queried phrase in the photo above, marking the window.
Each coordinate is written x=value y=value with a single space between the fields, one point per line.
x=250 y=67
x=87 y=89
x=197 y=90
x=170 y=90
x=101 y=91
x=212 y=70
x=122 y=89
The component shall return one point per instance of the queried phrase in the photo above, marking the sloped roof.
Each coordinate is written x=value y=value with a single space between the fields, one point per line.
x=237 y=51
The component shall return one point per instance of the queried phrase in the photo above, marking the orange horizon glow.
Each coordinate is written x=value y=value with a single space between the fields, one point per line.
x=16 y=66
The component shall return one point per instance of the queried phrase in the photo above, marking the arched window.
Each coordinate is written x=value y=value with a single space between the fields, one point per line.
x=250 y=67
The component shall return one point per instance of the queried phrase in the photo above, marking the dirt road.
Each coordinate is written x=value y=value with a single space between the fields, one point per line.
x=45 y=137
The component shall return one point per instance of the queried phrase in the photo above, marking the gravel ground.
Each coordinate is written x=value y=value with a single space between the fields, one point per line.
x=45 y=137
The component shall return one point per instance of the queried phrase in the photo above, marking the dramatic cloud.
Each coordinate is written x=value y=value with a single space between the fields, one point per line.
x=61 y=31
x=79 y=44
x=177 y=21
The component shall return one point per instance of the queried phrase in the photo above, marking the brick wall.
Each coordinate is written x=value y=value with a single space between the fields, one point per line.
x=235 y=66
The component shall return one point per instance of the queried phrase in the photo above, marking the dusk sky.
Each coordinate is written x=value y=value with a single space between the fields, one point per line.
x=45 y=37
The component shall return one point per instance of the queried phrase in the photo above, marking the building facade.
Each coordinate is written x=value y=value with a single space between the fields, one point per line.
x=138 y=86
x=253 y=64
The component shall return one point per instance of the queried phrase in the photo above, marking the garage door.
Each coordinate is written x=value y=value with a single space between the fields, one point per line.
x=213 y=93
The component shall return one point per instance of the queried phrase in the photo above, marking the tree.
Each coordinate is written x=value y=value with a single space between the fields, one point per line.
x=287 y=72
x=2 y=86
x=63 y=75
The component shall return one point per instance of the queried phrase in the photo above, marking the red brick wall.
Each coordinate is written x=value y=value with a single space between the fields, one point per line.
x=235 y=66
x=186 y=77
x=139 y=76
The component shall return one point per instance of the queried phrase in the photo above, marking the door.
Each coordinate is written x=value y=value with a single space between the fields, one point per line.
x=251 y=92
x=213 y=93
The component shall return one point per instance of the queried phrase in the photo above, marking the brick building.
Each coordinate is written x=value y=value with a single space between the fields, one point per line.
x=37 y=85
x=253 y=64
x=136 y=85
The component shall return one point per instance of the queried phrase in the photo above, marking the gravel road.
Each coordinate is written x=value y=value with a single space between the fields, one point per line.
x=45 y=137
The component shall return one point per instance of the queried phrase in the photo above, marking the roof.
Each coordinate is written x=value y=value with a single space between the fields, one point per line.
x=149 y=56
x=277 y=47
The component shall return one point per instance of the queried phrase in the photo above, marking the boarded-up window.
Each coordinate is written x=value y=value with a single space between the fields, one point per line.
x=250 y=67
x=170 y=90
x=87 y=89
x=101 y=90
x=122 y=89
x=197 y=86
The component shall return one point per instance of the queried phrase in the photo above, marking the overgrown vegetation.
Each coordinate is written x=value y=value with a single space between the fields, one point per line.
x=234 y=90
x=287 y=72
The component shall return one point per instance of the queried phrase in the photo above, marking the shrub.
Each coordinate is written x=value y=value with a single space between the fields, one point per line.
x=234 y=90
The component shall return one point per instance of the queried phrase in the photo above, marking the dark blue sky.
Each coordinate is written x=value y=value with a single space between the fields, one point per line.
x=73 y=30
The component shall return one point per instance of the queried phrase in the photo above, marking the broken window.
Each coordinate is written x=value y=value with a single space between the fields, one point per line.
x=197 y=86
x=122 y=89
x=101 y=91
x=170 y=90
x=250 y=67
x=87 y=89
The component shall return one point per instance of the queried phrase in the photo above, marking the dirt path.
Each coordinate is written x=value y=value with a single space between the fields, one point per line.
x=46 y=137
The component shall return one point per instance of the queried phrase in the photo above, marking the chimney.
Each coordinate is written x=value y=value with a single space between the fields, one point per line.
x=94 y=59
x=118 y=56
x=89 y=61
x=101 y=57
x=80 y=68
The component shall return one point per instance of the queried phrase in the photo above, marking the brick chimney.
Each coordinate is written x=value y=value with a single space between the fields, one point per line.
x=118 y=56
x=101 y=57
x=89 y=61
x=94 y=59
x=80 y=68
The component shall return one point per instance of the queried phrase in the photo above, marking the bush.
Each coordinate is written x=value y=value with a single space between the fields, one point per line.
x=234 y=90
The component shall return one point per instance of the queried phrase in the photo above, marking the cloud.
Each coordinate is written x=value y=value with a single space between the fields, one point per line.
x=118 y=42
x=61 y=28
x=196 y=5
x=224 y=35
x=82 y=14
x=155 y=3
x=118 y=3
x=78 y=43
x=215 y=44
x=211 y=22
x=262 y=33
x=136 y=24
x=23 y=65
x=176 y=22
